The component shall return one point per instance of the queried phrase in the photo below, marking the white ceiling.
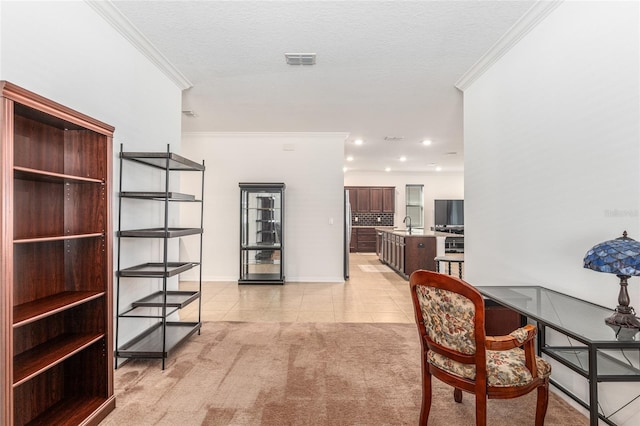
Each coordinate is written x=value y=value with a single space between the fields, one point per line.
x=384 y=69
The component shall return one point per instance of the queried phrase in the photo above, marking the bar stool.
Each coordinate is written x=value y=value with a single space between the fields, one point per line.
x=449 y=259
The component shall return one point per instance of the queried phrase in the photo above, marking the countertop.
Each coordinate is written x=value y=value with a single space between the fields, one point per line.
x=416 y=232
x=405 y=232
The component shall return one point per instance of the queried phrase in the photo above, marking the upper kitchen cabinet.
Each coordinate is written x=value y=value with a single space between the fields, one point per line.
x=372 y=199
x=363 y=203
x=375 y=200
x=389 y=199
x=353 y=198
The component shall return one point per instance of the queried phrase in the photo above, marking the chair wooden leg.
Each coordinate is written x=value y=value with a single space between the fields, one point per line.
x=426 y=398
x=481 y=409
x=543 y=402
x=457 y=395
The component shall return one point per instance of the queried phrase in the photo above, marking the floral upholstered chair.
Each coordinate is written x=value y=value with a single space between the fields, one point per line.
x=450 y=318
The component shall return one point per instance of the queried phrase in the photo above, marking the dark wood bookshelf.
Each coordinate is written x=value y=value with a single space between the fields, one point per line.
x=56 y=263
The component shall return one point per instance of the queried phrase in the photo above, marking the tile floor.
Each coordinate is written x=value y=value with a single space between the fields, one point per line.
x=373 y=293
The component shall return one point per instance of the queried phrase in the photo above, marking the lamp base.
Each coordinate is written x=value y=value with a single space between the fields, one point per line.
x=625 y=324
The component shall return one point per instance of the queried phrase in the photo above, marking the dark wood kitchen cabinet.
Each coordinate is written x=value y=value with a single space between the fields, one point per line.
x=375 y=200
x=353 y=243
x=372 y=199
x=366 y=240
x=56 y=322
x=406 y=253
x=353 y=198
x=363 y=240
x=364 y=200
x=389 y=199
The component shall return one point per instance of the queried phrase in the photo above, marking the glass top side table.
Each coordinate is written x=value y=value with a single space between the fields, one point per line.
x=580 y=320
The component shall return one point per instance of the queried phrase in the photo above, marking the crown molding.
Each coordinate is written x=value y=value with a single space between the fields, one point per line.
x=522 y=27
x=297 y=135
x=110 y=13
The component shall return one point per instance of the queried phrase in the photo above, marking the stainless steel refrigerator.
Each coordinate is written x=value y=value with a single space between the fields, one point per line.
x=347 y=233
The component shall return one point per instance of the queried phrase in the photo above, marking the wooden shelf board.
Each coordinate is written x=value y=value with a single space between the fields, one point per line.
x=58 y=238
x=72 y=410
x=42 y=308
x=35 y=174
x=149 y=343
x=154 y=269
x=34 y=361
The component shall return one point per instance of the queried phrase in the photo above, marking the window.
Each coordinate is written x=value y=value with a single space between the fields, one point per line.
x=414 y=202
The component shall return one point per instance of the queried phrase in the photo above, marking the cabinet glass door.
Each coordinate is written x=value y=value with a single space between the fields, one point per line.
x=261 y=243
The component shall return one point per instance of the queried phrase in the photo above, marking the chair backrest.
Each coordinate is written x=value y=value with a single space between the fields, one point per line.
x=450 y=316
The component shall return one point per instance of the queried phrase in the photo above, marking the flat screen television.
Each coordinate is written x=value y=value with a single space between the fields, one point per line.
x=449 y=213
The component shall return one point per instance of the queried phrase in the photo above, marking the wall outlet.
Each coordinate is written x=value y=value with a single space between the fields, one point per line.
x=355 y=219
x=379 y=219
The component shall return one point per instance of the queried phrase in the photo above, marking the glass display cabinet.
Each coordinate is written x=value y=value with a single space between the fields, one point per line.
x=261 y=233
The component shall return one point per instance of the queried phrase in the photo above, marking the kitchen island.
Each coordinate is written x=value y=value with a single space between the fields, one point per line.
x=406 y=252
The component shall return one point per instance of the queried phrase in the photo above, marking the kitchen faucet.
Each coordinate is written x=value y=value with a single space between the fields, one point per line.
x=405 y=221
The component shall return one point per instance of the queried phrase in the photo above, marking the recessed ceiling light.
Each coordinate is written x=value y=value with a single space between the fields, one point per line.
x=426 y=142
x=344 y=170
x=387 y=169
x=438 y=169
x=350 y=158
x=358 y=142
x=403 y=158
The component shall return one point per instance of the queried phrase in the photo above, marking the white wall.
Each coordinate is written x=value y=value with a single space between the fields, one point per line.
x=552 y=160
x=310 y=164
x=66 y=52
x=437 y=186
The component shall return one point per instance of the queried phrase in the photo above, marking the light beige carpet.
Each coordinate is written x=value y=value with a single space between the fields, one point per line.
x=276 y=374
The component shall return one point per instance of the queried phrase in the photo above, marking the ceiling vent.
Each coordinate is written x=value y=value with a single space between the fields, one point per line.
x=300 y=58
x=190 y=113
x=393 y=138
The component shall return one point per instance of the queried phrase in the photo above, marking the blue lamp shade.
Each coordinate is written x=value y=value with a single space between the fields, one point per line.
x=620 y=256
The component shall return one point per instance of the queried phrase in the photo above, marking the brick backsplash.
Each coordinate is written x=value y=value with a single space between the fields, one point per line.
x=371 y=219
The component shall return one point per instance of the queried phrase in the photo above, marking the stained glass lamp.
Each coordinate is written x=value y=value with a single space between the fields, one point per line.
x=621 y=257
